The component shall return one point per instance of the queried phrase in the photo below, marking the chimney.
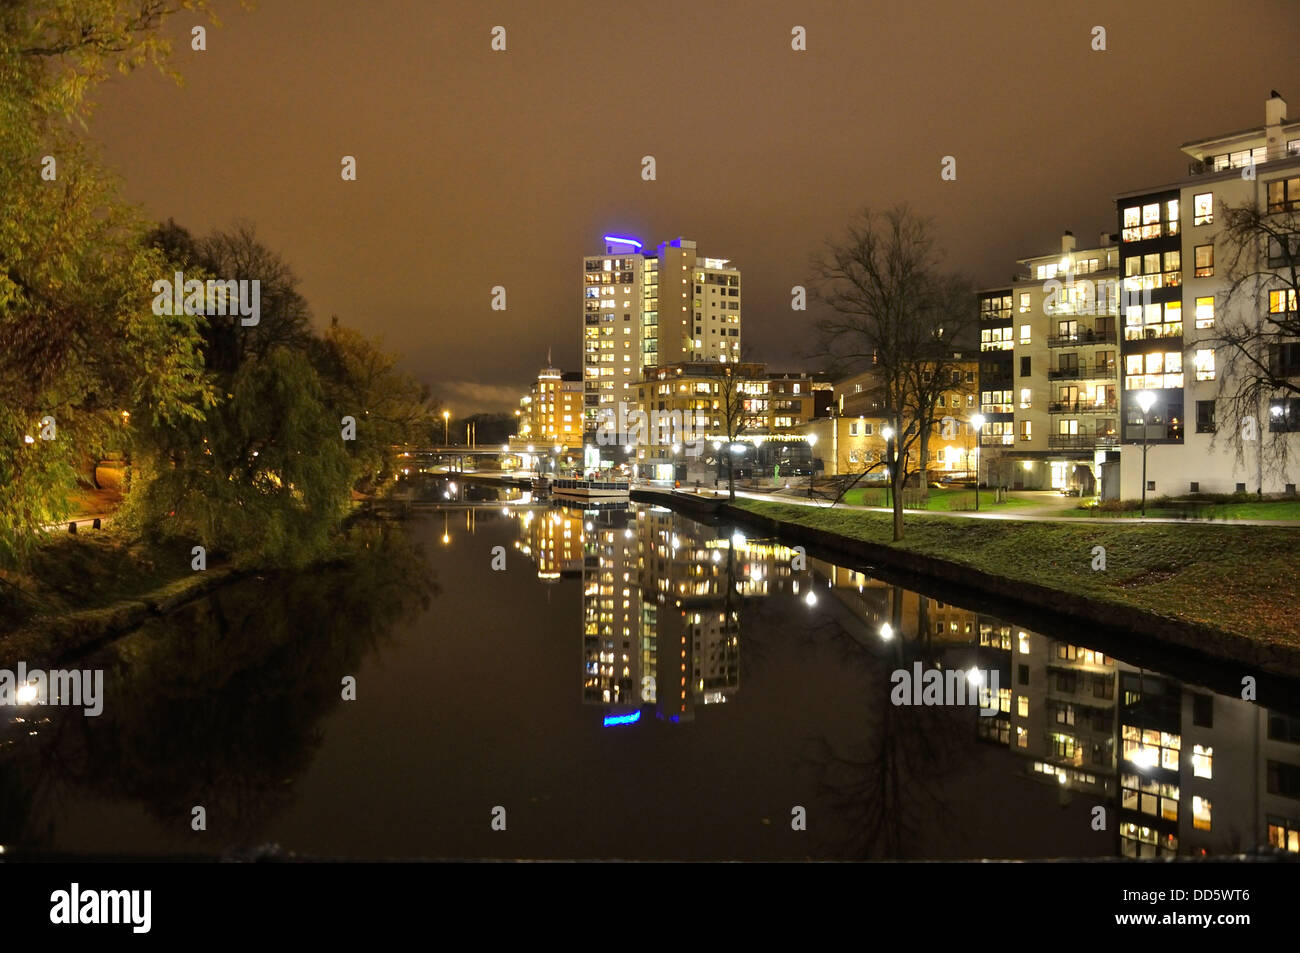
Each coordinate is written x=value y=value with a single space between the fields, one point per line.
x=1067 y=242
x=1104 y=241
x=1274 y=116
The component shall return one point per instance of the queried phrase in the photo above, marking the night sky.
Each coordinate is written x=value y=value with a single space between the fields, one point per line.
x=479 y=168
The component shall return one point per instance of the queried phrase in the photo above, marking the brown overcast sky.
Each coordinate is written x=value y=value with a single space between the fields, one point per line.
x=478 y=168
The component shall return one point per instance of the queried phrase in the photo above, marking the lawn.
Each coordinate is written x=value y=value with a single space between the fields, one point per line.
x=935 y=499
x=1246 y=510
x=1241 y=579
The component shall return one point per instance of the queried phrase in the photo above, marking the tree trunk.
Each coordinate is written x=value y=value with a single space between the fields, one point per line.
x=925 y=457
x=731 y=473
x=896 y=480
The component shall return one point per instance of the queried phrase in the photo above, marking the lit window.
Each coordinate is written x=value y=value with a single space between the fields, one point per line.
x=1203 y=209
x=1205 y=312
x=1205 y=364
x=1204 y=261
x=1024 y=643
x=1026 y=430
x=1022 y=706
x=1024 y=302
x=1200 y=813
x=1024 y=334
x=1026 y=397
x=1282 y=301
x=1203 y=761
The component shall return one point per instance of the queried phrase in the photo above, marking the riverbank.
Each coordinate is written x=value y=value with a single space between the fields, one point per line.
x=1225 y=591
x=80 y=590
x=87 y=589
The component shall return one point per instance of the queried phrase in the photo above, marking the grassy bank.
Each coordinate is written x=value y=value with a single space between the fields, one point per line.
x=80 y=587
x=1240 y=579
x=1195 y=509
x=934 y=499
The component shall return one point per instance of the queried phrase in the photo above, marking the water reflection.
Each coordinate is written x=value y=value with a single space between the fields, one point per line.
x=217 y=706
x=1179 y=769
x=633 y=684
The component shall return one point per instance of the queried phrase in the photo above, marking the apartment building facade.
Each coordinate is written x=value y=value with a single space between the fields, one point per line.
x=554 y=409
x=1173 y=245
x=645 y=309
x=1048 y=370
x=685 y=410
x=854 y=439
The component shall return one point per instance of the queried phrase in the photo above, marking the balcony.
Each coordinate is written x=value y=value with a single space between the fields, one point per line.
x=1258 y=155
x=1080 y=441
x=1081 y=372
x=1173 y=329
x=1082 y=338
x=1081 y=407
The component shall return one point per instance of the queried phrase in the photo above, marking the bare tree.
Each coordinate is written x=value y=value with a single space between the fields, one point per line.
x=736 y=395
x=900 y=314
x=1256 y=336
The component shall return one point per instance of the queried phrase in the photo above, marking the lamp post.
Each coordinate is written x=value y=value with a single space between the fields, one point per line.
x=446 y=427
x=888 y=434
x=978 y=423
x=812 y=463
x=1145 y=399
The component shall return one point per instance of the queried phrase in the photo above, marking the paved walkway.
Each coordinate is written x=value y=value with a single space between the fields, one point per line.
x=1050 y=511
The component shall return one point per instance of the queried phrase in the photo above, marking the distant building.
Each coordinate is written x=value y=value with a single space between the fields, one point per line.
x=681 y=410
x=854 y=439
x=649 y=309
x=554 y=409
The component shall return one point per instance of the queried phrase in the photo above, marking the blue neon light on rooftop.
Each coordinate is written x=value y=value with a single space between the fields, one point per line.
x=622 y=241
x=622 y=719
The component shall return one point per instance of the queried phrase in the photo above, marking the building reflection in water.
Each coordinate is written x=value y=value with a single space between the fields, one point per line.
x=1180 y=769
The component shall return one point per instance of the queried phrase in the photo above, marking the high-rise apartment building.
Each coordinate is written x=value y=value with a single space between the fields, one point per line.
x=645 y=309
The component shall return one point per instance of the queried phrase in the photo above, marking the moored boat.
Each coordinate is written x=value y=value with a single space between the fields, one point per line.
x=591 y=489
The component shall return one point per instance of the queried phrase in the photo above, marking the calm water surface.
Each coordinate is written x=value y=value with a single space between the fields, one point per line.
x=630 y=684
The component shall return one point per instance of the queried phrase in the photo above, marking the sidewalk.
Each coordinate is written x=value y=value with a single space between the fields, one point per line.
x=1048 y=512
x=88 y=506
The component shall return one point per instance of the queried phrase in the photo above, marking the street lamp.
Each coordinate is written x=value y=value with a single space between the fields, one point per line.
x=978 y=423
x=888 y=434
x=1145 y=400
x=446 y=427
x=812 y=463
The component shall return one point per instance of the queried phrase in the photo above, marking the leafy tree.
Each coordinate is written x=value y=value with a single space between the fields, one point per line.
x=78 y=340
x=390 y=408
x=265 y=475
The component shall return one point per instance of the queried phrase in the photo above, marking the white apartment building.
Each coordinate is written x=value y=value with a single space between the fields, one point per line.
x=1172 y=246
x=645 y=309
x=1048 y=370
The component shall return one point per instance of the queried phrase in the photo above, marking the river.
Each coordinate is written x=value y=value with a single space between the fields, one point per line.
x=553 y=682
